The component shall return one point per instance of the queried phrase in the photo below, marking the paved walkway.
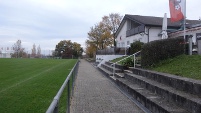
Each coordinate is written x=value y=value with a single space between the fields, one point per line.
x=95 y=94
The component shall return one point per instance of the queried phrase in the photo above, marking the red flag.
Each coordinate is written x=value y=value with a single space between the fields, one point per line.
x=177 y=9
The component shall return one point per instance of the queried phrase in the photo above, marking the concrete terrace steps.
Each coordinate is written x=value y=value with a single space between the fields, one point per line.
x=155 y=103
x=105 y=71
x=188 y=85
x=158 y=92
x=110 y=68
x=185 y=100
x=117 y=66
x=109 y=74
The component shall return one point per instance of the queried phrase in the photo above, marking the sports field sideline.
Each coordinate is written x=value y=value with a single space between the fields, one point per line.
x=29 y=85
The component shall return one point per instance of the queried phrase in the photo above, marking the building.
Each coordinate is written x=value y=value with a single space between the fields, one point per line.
x=145 y=29
x=5 y=55
x=194 y=32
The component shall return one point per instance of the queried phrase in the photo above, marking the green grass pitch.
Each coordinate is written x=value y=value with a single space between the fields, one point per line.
x=29 y=85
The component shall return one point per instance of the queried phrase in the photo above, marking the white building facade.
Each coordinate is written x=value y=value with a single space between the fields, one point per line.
x=5 y=55
x=143 y=28
x=194 y=31
x=150 y=34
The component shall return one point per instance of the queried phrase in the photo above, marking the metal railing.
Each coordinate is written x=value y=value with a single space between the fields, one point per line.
x=106 y=51
x=54 y=106
x=135 y=30
x=134 y=59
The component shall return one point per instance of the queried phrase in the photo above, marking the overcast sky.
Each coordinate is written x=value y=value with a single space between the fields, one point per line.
x=46 y=22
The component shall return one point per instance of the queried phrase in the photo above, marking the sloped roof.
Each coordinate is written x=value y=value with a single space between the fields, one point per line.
x=154 y=21
x=157 y=21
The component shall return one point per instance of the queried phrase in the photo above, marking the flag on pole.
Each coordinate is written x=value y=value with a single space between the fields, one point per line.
x=177 y=10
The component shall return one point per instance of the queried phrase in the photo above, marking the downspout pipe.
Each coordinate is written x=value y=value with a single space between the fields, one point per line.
x=148 y=34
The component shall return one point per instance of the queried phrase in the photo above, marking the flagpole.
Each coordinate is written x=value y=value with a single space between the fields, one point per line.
x=184 y=26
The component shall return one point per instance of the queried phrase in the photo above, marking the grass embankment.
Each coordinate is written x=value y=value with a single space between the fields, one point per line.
x=29 y=85
x=184 y=65
x=118 y=59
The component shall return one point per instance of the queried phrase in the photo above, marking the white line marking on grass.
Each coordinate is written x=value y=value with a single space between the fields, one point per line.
x=20 y=82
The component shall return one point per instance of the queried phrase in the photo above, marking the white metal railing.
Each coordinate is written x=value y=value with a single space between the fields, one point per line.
x=54 y=106
x=134 y=58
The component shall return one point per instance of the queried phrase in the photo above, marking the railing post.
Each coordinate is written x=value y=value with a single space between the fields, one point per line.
x=68 y=97
x=113 y=69
x=73 y=82
x=56 y=109
x=134 y=60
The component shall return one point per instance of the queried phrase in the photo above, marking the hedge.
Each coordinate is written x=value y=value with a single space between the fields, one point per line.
x=136 y=46
x=158 y=50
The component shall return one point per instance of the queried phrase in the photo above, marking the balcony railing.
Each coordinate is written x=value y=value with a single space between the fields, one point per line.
x=136 y=30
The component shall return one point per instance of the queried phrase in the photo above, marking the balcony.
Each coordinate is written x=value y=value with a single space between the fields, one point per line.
x=136 y=30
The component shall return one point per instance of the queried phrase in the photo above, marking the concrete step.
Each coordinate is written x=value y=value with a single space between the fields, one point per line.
x=118 y=66
x=105 y=71
x=108 y=63
x=119 y=75
x=113 y=78
x=128 y=71
x=187 y=85
x=187 y=101
x=110 y=68
x=150 y=100
x=138 y=65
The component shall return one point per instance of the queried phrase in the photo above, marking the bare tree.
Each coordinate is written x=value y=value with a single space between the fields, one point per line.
x=18 y=50
x=33 y=53
x=39 y=51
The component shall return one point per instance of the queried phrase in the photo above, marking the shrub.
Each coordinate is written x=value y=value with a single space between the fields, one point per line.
x=136 y=46
x=158 y=50
x=128 y=62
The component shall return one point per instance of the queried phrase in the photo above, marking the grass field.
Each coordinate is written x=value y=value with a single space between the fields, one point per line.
x=29 y=85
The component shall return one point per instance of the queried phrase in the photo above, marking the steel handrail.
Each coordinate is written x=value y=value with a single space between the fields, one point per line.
x=54 y=105
x=124 y=59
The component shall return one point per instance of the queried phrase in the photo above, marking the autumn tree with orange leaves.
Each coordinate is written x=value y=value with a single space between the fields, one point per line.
x=102 y=34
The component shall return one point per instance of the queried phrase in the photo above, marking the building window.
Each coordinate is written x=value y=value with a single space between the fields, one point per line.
x=128 y=43
x=122 y=44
